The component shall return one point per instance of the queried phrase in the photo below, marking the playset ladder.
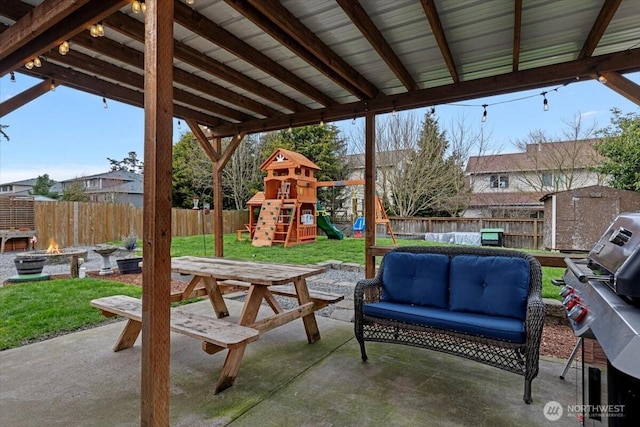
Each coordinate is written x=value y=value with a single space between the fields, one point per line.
x=267 y=222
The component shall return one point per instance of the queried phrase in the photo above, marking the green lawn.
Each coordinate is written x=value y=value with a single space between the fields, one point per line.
x=34 y=311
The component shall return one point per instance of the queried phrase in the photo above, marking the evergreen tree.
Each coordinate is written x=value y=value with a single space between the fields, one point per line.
x=621 y=146
x=43 y=186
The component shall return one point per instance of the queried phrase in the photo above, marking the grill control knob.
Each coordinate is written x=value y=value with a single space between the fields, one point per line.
x=570 y=301
x=578 y=313
x=566 y=290
x=620 y=236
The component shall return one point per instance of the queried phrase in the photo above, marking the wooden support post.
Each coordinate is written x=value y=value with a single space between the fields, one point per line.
x=156 y=272
x=217 y=200
x=370 y=193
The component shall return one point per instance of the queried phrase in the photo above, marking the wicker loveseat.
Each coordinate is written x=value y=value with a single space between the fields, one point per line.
x=480 y=303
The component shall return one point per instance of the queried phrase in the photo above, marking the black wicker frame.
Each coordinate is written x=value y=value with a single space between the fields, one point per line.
x=519 y=358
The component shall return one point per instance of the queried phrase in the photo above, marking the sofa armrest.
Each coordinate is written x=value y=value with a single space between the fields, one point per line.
x=534 y=322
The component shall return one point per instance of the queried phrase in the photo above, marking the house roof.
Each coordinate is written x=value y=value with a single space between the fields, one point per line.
x=296 y=159
x=25 y=182
x=120 y=175
x=539 y=157
x=259 y=65
x=503 y=199
x=590 y=189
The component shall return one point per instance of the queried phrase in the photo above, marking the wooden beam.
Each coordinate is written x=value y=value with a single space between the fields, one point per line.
x=156 y=273
x=66 y=28
x=40 y=18
x=430 y=10
x=605 y=16
x=622 y=85
x=370 y=192
x=96 y=86
x=272 y=29
x=218 y=226
x=291 y=25
x=564 y=73
x=103 y=69
x=207 y=29
x=134 y=58
x=359 y=17
x=202 y=139
x=24 y=97
x=517 y=31
x=231 y=148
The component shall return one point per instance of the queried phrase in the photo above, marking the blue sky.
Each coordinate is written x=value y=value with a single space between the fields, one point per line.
x=67 y=133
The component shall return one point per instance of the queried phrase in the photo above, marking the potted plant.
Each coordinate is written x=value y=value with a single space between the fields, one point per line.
x=131 y=263
x=29 y=264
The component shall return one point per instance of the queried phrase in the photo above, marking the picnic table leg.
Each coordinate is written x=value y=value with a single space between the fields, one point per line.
x=310 y=324
x=273 y=302
x=219 y=306
x=129 y=335
x=190 y=287
x=230 y=368
x=252 y=305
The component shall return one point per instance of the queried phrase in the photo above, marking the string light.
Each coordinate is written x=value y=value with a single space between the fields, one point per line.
x=484 y=113
x=432 y=112
x=393 y=112
x=52 y=86
x=29 y=65
x=179 y=125
x=190 y=2
x=321 y=121
x=602 y=79
x=37 y=62
x=13 y=77
x=138 y=6
x=545 y=103
x=100 y=29
x=63 y=49
x=104 y=103
x=353 y=122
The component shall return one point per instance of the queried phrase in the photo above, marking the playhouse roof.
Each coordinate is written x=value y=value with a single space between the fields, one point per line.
x=284 y=158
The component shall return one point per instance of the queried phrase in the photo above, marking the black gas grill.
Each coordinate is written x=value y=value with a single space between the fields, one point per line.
x=602 y=298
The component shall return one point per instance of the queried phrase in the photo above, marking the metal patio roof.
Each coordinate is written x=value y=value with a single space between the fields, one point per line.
x=265 y=64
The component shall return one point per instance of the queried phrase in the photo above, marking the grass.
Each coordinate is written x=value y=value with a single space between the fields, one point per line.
x=35 y=311
x=38 y=310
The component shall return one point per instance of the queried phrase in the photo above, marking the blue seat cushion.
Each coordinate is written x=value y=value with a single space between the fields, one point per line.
x=502 y=328
x=414 y=278
x=493 y=285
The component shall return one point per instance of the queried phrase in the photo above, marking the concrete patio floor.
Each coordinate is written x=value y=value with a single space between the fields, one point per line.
x=77 y=380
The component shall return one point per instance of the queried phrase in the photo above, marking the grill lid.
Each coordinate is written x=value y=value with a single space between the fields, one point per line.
x=618 y=253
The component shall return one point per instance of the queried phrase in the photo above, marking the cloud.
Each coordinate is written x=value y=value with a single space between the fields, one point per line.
x=588 y=113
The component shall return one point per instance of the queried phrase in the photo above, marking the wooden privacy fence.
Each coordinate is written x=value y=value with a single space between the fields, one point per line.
x=87 y=224
x=518 y=233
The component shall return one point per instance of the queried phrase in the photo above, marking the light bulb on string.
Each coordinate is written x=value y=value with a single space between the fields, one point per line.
x=484 y=113
x=13 y=77
x=100 y=29
x=190 y=2
x=432 y=112
x=136 y=7
x=37 y=62
x=545 y=103
x=179 y=125
x=63 y=49
x=29 y=65
x=52 y=86
x=104 y=103
x=353 y=121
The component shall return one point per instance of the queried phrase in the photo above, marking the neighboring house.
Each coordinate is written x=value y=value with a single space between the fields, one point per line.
x=111 y=187
x=386 y=161
x=21 y=188
x=574 y=220
x=512 y=184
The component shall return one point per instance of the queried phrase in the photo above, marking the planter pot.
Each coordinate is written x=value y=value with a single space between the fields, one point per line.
x=29 y=265
x=129 y=265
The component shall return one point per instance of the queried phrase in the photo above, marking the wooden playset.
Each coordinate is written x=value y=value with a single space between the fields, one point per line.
x=287 y=207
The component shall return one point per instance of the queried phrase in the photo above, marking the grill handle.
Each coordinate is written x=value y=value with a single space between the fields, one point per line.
x=580 y=273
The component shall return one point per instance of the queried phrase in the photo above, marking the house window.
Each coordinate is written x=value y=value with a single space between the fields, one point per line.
x=499 y=181
x=547 y=180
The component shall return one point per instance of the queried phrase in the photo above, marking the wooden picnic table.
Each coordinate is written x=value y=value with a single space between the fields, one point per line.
x=262 y=280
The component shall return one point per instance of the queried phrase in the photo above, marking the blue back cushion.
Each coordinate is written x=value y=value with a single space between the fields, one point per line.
x=489 y=285
x=421 y=279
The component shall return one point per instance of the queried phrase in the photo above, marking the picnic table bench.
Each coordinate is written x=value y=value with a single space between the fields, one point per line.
x=219 y=333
